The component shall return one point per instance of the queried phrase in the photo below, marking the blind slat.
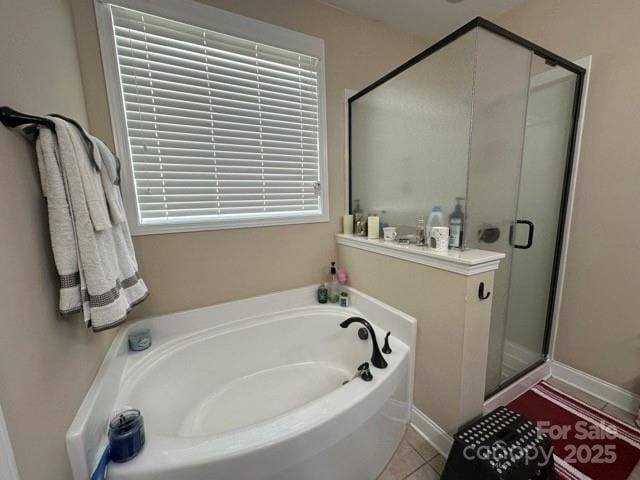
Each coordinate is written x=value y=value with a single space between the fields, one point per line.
x=197 y=134
x=217 y=141
x=175 y=206
x=224 y=212
x=230 y=162
x=214 y=167
x=168 y=190
x=177 y=154
x=215 y=196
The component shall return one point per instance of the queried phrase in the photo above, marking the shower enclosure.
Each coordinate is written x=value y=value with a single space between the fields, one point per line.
x=487 y=120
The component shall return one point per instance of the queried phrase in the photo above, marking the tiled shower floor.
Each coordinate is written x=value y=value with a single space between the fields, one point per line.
x=416 y=459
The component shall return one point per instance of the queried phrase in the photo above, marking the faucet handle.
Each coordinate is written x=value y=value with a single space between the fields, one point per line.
x=363 y=333
x=387 y=348
x=365 y=373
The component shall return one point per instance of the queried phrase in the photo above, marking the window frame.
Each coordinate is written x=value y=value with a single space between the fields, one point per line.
x=207 y=17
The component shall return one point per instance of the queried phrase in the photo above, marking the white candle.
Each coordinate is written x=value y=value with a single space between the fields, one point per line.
x=373 y=227
x=347 y=224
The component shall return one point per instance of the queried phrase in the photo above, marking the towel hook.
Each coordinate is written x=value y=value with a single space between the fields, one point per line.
x=481 y=294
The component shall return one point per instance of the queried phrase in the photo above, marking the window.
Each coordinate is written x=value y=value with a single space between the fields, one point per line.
x=219 y=119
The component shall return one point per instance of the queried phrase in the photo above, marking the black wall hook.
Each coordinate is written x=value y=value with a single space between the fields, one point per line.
x=481 y=294
x=12 y=118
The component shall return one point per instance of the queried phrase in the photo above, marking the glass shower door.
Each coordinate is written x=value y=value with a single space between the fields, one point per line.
x=542 y=182
x=495 y=162
x=515 y=199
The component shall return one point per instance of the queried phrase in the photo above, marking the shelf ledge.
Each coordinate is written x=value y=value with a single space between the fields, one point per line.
x=467 y=262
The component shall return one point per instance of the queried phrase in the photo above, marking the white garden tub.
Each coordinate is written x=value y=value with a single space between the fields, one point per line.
x=252 y=390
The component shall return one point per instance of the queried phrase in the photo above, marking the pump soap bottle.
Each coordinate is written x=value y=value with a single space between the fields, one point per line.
x=456 y=225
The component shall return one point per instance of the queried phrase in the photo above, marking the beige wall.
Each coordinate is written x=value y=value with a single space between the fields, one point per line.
x=599 y=330
x=453 y=329
x=46 y=362
x=194 y=269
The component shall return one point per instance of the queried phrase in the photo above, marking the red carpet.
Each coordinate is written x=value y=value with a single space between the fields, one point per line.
x=587 y=443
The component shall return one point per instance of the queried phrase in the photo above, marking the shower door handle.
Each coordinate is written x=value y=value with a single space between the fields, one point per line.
x=512 y=234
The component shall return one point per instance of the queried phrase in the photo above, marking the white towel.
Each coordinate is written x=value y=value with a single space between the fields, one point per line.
x=90 y=236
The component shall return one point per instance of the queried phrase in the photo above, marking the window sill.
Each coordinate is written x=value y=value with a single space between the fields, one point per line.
x=468 y=262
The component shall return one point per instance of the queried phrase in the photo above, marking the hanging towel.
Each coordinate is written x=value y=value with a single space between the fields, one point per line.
x=90 y=237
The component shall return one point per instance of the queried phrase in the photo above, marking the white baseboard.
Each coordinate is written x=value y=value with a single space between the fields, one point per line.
x=597 y=387
x=8 y=468
x=605 y=391
x=430 y=430
x=516 y=389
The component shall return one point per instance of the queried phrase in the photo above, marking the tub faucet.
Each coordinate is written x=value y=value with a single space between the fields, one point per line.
x=377 y=360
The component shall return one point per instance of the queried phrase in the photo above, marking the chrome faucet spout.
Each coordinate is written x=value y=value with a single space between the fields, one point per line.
x=377 y=360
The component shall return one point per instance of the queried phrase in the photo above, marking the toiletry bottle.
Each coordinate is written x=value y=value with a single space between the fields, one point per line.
x=435 y=219
x=323 y=293
x=456 y=224
x=334 y=290
x=344 y=299
x=359 y=227
x=421 y=232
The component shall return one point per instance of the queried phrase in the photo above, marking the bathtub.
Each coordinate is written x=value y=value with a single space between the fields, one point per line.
x=253 y=390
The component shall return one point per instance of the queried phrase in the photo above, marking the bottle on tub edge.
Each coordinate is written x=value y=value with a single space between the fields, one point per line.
x=334 y=288
x=323 y=293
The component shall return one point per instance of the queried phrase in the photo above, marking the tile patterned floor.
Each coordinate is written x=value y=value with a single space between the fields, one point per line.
x=416 y=459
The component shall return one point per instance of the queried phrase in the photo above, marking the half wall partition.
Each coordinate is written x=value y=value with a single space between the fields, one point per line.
x=487 y=120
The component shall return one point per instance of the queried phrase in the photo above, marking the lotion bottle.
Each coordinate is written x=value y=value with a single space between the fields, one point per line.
x=334 y=289
x=435 y=219
x=456 y=225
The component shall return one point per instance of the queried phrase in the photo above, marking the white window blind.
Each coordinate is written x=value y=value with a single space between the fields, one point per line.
x=219 y=128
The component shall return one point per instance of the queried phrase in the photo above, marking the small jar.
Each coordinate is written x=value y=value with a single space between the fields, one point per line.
x=140 y=340
x=344 y=299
